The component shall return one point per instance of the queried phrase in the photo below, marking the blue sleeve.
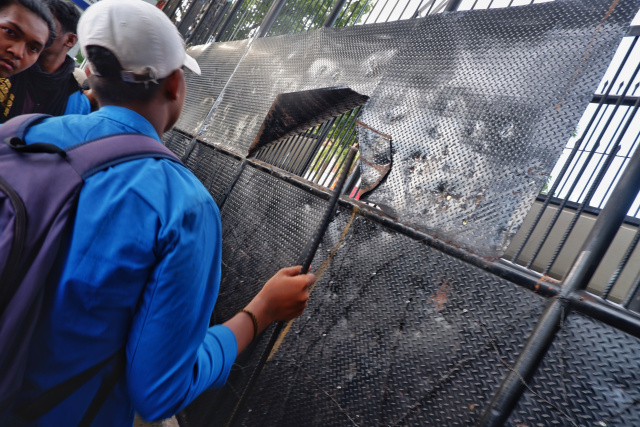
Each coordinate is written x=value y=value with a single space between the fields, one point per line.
x=173 y=354
x=77 y=103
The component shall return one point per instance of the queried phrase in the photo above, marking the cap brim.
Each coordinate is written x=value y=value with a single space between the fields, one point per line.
x=191 y=64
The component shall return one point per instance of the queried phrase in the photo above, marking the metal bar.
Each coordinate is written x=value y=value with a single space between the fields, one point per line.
x=621 y=265
x=216 y=21
x=189 y=17
x=307 y=165
x=322 y=164
x=298 y=147
x=304 y=148
x=333 y=15
x=453 y=5
x=572 y=155
x=318 y=134
x=270 y=17
x=305 y=260
x=600 y=175
x=581 y=272
x=345 y=142
x=170 y=8
x=201 y=23
x=227 y=21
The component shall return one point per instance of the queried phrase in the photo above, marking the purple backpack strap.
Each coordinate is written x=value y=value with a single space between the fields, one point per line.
x=92 y=156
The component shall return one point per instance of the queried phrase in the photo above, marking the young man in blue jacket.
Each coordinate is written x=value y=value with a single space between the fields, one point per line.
x=142 y=270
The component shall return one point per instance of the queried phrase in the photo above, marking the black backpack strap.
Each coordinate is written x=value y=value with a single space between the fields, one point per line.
x=55 y=395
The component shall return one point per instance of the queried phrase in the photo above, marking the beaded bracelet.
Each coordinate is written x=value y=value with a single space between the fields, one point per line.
x=254 y=320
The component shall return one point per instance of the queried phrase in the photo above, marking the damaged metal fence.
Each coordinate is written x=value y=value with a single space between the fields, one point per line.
x=413 y=321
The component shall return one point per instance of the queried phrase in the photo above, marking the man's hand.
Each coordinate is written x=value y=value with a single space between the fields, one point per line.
x=283 y=297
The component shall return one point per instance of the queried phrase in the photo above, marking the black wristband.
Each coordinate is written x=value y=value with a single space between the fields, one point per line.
x=254 y=320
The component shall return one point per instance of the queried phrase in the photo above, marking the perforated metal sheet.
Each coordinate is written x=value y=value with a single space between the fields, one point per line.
x=589 y=377
x=214 y=169
x=176 y=142
x=480 y=105
x=217 y=62
x=395 y=333
x=266 y=225
x=353 y=57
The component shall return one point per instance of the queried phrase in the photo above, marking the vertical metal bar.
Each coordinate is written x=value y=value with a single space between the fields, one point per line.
x=305 y=147
x=322 y=163
x=581 y=272
x=621 y=265
x=333 y=15
x=217 y=20
x=202 y=22
x=227 y=21
x=573 y=152
x=453 y=5
x=270 y=17
x=297 y=146
x=344 y=142
x=602 y=170
x=304 y=167
x=170 y=8
x=189 y=17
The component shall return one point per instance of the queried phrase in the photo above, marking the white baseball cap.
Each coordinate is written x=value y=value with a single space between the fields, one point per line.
x=145 y=41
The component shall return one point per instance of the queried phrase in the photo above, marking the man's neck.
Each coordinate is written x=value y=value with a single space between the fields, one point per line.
x=51 y=63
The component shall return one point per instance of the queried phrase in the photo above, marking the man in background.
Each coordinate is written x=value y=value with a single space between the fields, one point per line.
x=26 y=29
x=49 y=86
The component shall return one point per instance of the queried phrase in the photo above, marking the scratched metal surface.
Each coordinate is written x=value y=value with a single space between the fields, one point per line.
x=479 y=105
x=589 y=377
x=469 y=99
x=217 y=62
x=353 y=57
x=396 y=333
x=176 y=142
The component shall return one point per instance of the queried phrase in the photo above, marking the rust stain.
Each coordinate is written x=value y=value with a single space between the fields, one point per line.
x=442 y=296
x=372 y=129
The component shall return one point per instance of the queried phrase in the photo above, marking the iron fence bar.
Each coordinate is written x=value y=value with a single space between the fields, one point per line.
x=317 y=147
x=623 y=263
x=581 y=272
x=321 y=9
x=279 y=150
x=227 y=21
x=274 y=153
x=317 y=6
x=333 y=15
x=270 y=17
x=361 y=12
x=212 y=4
x=370 y=13
x=353 y=179
x=170 y=8
x=189 y=16
x=288 y=23
x=249 y=16
x=287 y=152
x=344 y=143
x=600 y=173
x=392 y=9
x=453 y=5
x=406 y=5
x=203 y=31
x=632 y=300
x=572 y=154
x=313 y=148
x=298 y=148
x=320 y=163
x=417 y=12
x=303 y=152
x=357 y=2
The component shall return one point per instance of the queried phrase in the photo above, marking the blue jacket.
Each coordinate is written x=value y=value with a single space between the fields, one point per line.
x=142 y=270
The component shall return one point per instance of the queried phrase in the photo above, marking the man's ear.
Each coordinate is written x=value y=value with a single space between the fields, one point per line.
x=71 y=40
x=173 y=84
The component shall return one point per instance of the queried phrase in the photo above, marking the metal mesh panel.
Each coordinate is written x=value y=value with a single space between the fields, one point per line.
x=353 y=57
x=590 y=377
x=395 y=333
x=266 y=225
x=480 y=105
x=176 y=142
x=213 y=168
x=217 y=62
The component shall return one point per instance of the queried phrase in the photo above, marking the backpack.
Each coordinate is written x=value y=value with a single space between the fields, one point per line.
x=39 y=188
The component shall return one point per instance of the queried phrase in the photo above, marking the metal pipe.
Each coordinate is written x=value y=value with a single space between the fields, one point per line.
x=581 y=272
x=333 y=15
x=270 y=17
x=453 y=5
x=227 y=21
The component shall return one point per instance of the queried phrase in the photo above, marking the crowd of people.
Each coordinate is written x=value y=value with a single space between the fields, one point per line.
x=140 y=272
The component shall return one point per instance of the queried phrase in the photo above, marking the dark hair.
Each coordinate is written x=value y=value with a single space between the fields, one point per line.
x=37 y=7
x=66 y=13
x=107 y=82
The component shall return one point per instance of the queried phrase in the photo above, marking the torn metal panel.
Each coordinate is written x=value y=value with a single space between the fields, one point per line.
x=480 y=105
x=375 y=157
x=296 y=112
